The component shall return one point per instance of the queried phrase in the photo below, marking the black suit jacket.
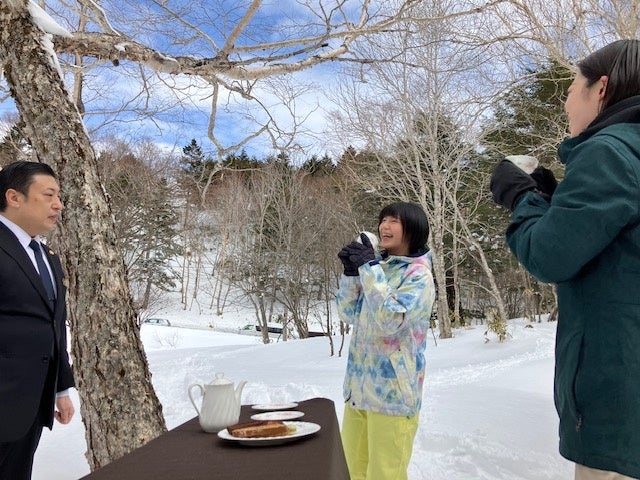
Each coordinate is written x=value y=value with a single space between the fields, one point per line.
x=34 y=363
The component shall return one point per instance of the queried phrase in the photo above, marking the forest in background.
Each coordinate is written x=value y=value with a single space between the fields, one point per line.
x=270 y=228
x=419 y=98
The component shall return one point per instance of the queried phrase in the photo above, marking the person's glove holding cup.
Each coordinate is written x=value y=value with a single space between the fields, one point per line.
x=360 y=251
x=516 y=175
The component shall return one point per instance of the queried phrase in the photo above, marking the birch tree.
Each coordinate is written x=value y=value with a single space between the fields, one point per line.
x=407 y=111
x=168 y=53
x=196 y=43
x=118 y=405
x=553 y=35
x=475 y=58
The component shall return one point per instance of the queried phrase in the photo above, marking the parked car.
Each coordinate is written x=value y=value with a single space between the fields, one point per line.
x=157 y=321
x=271 y=328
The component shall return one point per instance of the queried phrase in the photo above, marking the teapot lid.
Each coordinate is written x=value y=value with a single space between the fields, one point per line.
x=220 y=380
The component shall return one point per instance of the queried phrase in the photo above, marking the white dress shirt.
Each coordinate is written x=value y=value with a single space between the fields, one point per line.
x=24 y=238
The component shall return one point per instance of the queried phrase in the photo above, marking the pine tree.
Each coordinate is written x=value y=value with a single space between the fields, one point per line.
x=196 y=165
x=529 y=119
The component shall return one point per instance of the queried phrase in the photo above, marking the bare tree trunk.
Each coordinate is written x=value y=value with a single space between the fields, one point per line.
x=482 y=260
x=220 y=291
x=196 y=283
x=457 y=314
x=118 y=405
x=263 y=319
x=184 y=290
x=493 y=286
x=186 y=255
x=328 y=300
x=437 y=230
x=147 y=288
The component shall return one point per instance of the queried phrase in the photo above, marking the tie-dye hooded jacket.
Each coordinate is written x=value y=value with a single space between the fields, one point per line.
x=389 y=306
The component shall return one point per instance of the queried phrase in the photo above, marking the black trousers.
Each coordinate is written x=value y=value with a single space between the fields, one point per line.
x=16 y=458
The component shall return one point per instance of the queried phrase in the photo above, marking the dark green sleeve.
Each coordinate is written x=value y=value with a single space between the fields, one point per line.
x=598 y=197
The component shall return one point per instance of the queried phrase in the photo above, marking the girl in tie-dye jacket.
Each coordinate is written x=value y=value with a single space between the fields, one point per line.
x=387 y=298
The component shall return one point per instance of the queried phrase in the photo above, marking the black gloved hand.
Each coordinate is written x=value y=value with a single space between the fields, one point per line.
x=545 y=180
x=350 y=270
x=509 y=184
x=361 y=253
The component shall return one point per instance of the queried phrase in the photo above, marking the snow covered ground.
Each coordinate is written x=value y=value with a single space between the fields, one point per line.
x=487 y=413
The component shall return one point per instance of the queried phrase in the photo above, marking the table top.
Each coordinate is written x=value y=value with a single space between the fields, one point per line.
x=188 y=453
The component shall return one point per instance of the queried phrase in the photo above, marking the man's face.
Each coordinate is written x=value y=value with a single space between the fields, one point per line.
x=37 y=212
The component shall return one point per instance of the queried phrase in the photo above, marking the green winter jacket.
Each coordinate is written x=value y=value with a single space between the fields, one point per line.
x=587 y=241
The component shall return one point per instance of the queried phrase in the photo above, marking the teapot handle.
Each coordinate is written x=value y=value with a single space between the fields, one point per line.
x=191 y=397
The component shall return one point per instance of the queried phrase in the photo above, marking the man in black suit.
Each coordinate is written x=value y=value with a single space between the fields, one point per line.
x=35 y=374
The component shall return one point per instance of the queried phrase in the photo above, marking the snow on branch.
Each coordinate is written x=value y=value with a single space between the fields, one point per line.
x=44 y=21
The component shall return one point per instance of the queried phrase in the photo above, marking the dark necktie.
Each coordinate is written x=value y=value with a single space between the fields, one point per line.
x=43 y=270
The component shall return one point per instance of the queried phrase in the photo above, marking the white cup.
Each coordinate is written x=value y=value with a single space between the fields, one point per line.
x=373 y=238
x=524 y=162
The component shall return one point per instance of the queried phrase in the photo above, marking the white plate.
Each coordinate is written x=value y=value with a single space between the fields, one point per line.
x=267 y=407
x=303 y=429
x=281 y=415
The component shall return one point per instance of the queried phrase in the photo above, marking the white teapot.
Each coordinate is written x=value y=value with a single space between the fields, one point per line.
x=220 y=403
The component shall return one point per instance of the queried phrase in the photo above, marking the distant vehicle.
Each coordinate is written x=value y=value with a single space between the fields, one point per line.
x=270 y=328
x=157 y=321
x=277 y=328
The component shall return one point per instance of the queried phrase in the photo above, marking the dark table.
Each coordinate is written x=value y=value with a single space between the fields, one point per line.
x=188 y=453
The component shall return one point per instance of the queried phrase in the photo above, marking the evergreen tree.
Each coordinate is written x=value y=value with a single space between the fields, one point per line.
x=196 y=165
x=529 y=119
x=319 y=166
x=240 y=165
x=146 y=223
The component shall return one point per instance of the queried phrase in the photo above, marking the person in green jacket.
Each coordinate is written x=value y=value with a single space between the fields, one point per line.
x=584 y=236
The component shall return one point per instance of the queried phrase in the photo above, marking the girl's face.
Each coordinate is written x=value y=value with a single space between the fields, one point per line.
x=583 y=103
x=392 y=236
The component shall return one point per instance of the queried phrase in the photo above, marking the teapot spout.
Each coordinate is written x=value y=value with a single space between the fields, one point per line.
x=239 y=391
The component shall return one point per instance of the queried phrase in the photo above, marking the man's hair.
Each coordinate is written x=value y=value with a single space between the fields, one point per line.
x=620 y=63
x=415 y=225
x=19 y=176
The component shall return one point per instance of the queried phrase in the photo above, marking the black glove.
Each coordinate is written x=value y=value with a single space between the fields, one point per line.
x=350 y=270
x=509 y=184
x=361 y=253
x=545 y=180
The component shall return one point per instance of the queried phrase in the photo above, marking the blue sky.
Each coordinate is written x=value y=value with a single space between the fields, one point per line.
x=117 y=104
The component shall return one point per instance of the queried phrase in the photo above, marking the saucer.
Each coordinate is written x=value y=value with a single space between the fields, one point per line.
x=278 y=415
x=268 y=407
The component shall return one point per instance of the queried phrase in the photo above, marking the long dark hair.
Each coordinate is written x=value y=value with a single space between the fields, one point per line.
x=620 y=63
x=415 y=226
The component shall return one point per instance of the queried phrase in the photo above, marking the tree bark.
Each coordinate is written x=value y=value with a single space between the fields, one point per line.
x=118 y=405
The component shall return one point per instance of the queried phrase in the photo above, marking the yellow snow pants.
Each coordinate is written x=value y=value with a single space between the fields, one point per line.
x=376 y=446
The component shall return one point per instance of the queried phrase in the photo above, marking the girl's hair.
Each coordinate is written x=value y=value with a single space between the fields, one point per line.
x=620 y=62
x=415 y=226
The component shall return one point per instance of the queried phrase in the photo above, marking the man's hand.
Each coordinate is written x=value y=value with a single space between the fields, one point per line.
x=64 y=410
